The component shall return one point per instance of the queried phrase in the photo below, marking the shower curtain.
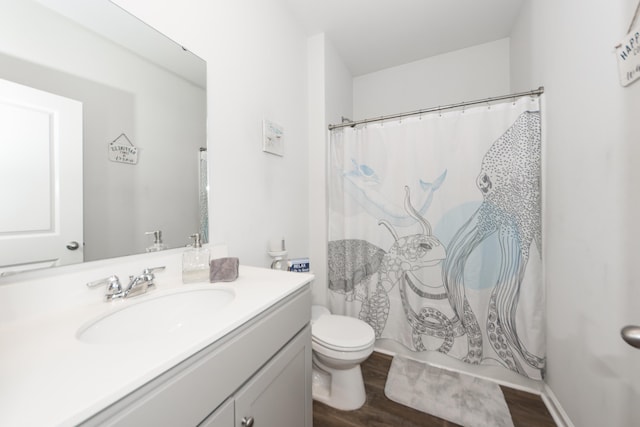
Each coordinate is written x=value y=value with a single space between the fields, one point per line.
x=435 y=232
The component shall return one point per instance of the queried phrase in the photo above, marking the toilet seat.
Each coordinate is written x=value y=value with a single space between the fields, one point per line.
x=342 y=333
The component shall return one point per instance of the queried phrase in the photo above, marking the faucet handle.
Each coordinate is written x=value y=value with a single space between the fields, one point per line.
x=114 y=288
x=153 y=269
x=112 y=282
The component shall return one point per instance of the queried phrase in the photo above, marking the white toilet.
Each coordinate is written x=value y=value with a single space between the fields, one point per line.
x=340 y=344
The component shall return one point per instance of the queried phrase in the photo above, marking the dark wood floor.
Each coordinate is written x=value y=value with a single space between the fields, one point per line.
x=527 y=410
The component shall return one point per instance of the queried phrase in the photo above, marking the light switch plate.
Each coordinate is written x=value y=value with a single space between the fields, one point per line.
x=272 y=138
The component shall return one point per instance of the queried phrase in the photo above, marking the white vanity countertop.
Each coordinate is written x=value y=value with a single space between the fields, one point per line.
x=50 y=378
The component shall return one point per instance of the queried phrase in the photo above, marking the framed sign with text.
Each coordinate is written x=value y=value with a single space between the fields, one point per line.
x=123 y=151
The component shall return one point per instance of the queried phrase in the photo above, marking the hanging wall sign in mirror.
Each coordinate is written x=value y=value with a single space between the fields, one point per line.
x=87 y=73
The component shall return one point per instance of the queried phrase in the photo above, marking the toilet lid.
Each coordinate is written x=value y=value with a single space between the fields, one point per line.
x=342 y=333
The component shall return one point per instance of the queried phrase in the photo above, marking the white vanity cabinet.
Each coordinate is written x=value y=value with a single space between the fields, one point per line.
x=259 y=374
x=275 y=396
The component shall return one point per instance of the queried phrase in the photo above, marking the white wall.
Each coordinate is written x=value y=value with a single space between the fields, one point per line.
x=256 y=69
x=463 y=75
x=591 y=202
x=330 y=98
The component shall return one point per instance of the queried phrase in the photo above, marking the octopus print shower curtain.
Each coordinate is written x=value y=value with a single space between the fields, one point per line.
x=435 y=232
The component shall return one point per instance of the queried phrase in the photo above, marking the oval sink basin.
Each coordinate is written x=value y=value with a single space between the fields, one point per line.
x=156 y=316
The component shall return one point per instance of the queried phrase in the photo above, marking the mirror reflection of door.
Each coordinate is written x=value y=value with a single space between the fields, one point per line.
x=41 y=214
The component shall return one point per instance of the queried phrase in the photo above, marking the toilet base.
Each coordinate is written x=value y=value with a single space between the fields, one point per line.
x=320 y=384
x=339 y=388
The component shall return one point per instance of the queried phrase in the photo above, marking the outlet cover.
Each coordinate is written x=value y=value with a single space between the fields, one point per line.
x=272 y=138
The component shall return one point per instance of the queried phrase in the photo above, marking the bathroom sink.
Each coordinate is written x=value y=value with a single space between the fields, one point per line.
x=156 y=316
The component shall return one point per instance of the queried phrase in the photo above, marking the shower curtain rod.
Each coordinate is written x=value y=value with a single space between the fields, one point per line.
x=534 y=92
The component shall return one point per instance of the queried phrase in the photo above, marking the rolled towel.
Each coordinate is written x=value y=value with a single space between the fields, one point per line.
x=223 y=270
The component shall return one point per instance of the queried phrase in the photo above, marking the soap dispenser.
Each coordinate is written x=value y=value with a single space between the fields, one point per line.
x=157 y=241
x=195 y=262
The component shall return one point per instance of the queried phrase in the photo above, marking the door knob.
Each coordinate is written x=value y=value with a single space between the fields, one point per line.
x=631 y=334
x=72 y=246
x=247 y=422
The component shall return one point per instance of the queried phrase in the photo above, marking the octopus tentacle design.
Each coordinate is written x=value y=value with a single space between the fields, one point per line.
x=509 y=180
x=441 y=328
x=460 y=248
x=407 y=255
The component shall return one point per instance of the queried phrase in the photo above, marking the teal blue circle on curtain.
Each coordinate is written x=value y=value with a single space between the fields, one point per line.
x=482 y=267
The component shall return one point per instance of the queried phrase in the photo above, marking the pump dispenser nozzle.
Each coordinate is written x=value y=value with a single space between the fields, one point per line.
x=196 y=240
x=157 y=241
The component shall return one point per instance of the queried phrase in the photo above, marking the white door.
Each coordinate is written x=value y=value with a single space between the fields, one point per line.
x=40 y=179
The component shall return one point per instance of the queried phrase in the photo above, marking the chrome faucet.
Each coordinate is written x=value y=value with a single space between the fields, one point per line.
x=137 y=284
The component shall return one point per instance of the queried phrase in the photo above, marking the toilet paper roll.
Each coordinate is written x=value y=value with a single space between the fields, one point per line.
x=276 y=245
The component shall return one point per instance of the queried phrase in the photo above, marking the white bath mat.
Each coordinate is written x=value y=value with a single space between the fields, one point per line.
x=453 y=396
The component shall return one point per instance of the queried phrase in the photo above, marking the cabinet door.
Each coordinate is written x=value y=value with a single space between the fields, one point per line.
x=221 y=417
x=279 y=395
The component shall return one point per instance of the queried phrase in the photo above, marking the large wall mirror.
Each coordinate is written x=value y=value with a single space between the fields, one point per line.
x=102 y=135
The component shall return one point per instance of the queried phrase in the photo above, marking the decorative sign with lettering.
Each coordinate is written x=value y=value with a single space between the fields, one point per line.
x=628 y=53
x=123 y=153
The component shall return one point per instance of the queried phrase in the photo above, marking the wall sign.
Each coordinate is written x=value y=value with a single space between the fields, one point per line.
x=272 y=138
x=628 y=53
x=123 y=152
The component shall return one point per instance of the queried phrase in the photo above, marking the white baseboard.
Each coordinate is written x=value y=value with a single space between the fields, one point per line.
x=555 y=409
